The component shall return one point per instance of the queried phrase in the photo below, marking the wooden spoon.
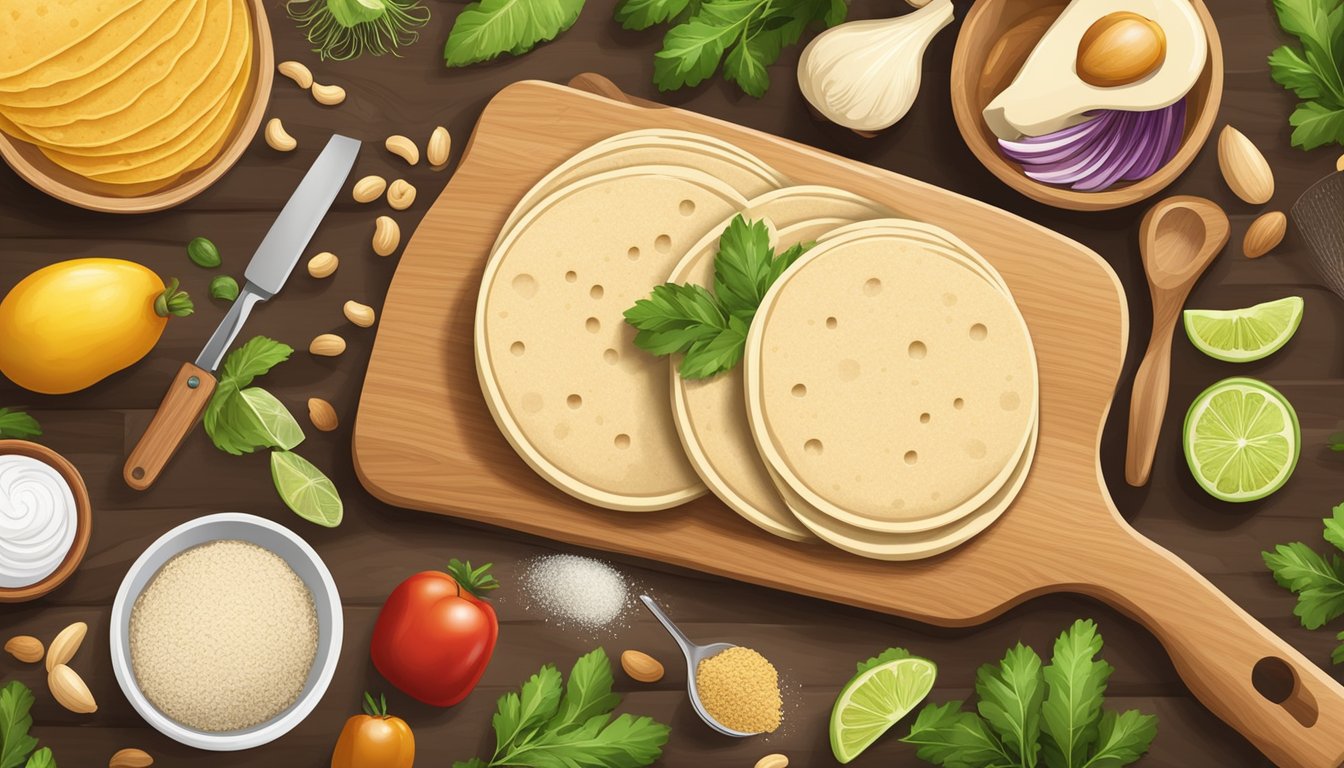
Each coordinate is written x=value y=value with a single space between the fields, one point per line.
x=1178 y=237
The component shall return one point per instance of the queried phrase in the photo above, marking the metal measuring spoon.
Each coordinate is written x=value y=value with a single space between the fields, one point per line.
x=694 y=655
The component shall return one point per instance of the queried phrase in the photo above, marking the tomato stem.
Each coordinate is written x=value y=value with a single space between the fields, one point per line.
x=173 y=302
x=477 y=581
x=377 y=708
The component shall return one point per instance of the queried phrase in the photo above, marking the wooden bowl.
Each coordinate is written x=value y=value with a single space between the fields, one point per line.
x=37 y=170
x=996 y=37
x=83 y=520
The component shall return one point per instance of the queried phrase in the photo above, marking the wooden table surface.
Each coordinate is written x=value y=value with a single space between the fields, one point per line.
x=814 y=644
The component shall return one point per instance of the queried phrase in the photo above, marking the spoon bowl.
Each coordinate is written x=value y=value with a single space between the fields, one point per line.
x=694 y=655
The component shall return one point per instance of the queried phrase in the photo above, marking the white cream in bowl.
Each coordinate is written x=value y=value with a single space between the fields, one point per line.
x=38 y=518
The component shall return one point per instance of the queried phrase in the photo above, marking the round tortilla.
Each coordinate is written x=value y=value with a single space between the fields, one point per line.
x=890 y=385
x=578 y=401
x=60 y=41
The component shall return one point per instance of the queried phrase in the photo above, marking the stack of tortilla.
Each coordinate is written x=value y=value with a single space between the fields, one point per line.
x=129 y=93
x=887 y=401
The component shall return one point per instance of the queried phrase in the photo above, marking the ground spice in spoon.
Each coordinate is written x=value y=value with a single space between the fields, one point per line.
x=740 y=689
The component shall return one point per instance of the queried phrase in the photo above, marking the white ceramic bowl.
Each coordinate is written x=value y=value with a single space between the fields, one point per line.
x=300 y=557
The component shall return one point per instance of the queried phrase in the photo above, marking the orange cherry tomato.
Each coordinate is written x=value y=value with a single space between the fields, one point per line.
x=374 y=739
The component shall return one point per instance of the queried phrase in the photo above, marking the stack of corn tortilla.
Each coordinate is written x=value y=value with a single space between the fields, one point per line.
x=887 y=401
x=132 y=94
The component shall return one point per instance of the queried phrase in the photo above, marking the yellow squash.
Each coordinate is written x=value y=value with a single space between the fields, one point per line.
x=70 y=325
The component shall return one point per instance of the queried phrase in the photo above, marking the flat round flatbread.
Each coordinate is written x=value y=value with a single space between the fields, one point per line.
x=711 y=413
x=890 y=385
x=557 y=363
x=65 y=40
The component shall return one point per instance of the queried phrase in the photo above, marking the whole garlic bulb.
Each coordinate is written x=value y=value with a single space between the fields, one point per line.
x=865 y=75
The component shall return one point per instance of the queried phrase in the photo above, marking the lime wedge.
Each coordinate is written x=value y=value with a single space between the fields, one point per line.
x=306 y=490
x=882 y=693
x=1242 y=439
x=271 y=417
x=1243 y=335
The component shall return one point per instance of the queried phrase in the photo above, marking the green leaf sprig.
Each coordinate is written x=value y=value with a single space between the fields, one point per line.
x=1031 y=715
x=17 y=425
x=710 y=328
x=17 y=748
x=1317 y=581
x=488 y=28
x=746 y=36
x=551 y=723
x=1312 y=73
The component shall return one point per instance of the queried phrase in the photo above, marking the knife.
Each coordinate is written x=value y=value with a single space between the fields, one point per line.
x=266 y=275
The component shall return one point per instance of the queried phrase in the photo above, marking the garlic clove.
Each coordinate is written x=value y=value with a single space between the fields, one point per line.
x=865 y=75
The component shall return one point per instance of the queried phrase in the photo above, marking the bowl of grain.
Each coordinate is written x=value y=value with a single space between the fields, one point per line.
x=226 y=632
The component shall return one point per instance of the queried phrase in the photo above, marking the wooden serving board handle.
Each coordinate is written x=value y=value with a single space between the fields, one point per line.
x=177 y=414
x=1287 y=706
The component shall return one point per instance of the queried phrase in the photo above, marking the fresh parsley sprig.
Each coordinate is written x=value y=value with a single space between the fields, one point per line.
x=17 y=425
x=551 y=723
x=710 y=327
x=1317 y=581
x=16 y=745
x=1313 y=73
x=1029 y=715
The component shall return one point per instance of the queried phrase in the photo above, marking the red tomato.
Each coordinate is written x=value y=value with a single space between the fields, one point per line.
x=435 y=634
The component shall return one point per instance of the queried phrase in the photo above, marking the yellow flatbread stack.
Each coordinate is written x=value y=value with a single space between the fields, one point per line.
x=129 y=94
x=886 y=402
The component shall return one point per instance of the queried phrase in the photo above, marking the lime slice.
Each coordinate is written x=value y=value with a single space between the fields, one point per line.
x=1243 y=335
x=272 y=418
x=882 y=693
x=1242 y=439
x=306 y=490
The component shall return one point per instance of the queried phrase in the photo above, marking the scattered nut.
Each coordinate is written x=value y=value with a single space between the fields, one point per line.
x=296 y=72
x=359 y=314
x=330 y=95
x=1244 y=168
x=400 y=195
x=776 y=760
x=436 y=151
x=641 y=666
x=322 y=414
x=66 y=644
x=130 y=758
x=278 y=138
x=25 y=648
x=368 y=189
x=386 y=236
x=323 y=264
x=327 y=345
x=404 y=148
x=1264 y=234
x=1339 y=164
x=70 y=691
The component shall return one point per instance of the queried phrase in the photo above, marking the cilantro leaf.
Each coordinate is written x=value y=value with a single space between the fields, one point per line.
x=626 y=742
x=41 y=759
x=17 y=425
x=1313 y=74
x=742 y=265
x=1010 y=701
x=721 y=353
x=889 y=655
x=945 y=735
x=1072 y=708
x=1334 y=527
x=16 y=703
x=1288 y=69
x=1122 y=739
x=642 y=14
x=1318 y=583
x=519 y=714
x=676 y=317
x=588 y=693
x=1316 y=124
x=488 y=28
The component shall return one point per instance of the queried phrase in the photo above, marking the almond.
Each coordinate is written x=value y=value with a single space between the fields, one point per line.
x=440 y=143
x=25 y=648
x=1244 y=168
x=327 y=345
x=130 y=758
x=323 y=264
x=322 y=414
x=773 y=761
x=1264 y=234
x=368 y=189
x=641 y=666
x=359 y=314
x=66 y=644
x=1339 y=164
x=69 y=690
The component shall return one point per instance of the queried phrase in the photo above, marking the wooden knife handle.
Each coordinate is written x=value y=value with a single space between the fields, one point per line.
x=177 y=414
x=1147 y=407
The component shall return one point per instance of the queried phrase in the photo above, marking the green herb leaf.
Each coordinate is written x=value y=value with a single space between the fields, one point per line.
x=1316 y=124
x=222 y=419
x=1319 y=583
x=891 y=654
x=642 y=14
x=224 y=287
x=17 y=425
x=1314 y=73
x=488 y=28
x=517 y=715
x=945 y=735
x=42 y=758
x=16 y=703
x=588 y=693
x=675 y=317
x=742 y=266
x=1072 y=708
x=255 y=358
x=1334 y=527
x=1122 y=739
x=626 y=742
x=1288 y=69
x=1010 y=701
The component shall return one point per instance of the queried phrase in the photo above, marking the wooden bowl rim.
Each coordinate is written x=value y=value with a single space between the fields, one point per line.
x=83 y=519
x=967 y=116
x=195 y=182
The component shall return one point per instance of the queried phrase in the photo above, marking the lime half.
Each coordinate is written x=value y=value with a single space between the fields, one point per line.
x=306 y=490
x=1242 y=439
x=1243 y=335
x=272 y=418
x=883 y=692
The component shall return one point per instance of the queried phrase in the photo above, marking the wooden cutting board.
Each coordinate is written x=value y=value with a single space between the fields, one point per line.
x=425 y=439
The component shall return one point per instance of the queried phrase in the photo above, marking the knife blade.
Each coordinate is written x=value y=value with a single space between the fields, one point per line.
x=266 y=274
